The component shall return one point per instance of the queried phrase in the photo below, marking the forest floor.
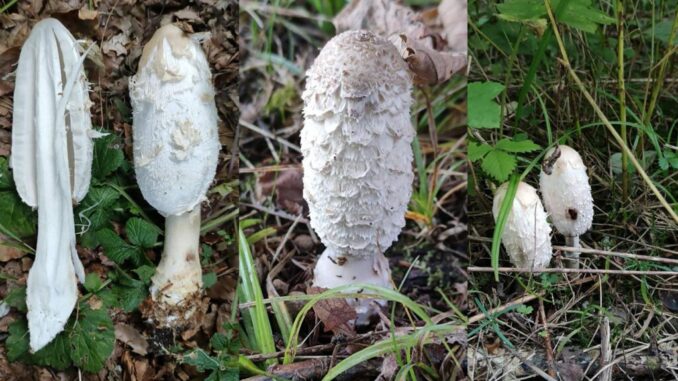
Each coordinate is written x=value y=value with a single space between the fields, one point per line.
x=278 y=44
x=119 y=234
x=572 y=324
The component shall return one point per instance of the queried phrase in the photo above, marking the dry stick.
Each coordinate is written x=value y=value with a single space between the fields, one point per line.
x=547 y=341
x=618 y=254
x=602 y=252
x=605 y=352
x=575 y=271
x=566 y=62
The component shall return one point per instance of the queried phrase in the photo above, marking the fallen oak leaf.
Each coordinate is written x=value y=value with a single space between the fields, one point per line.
x=429 y=66
x=336 y=314
x=130 y=336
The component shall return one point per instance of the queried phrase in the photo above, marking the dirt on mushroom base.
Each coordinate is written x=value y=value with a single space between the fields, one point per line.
x=119 y=29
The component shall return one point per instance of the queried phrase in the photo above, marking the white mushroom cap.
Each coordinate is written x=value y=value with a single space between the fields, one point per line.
x=526 y=235
x=356 y=143
x=567 y=193
x=176 y=143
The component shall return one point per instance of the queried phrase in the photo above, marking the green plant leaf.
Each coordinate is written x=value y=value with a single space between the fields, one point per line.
x=478 y=151
x=141 y=232
x=92 y=282
x=201 y=360
x=145 y=273
x=15 y=216
x=483 y=111
x=578 y=14
x=96 y=210
x=17 y=342
x=91 y=339
x=514 y=146
x=209 y=279
x=16 y=297
x=5 y=175
x=116 y=249
x=499 y=164
x=107 y=157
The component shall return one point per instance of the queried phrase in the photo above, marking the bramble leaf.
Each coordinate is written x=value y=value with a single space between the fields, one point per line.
x=483 y=111
x=514 y=146
x=141 y=232
x=499 y=164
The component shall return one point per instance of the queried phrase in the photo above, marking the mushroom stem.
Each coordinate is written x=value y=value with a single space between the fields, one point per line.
x=179 y=275
x=571 y=260
x=333 y=270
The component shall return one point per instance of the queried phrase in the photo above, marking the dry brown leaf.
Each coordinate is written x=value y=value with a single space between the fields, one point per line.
x=429 y=66
x=336 y=314
x=187 y=14
x=286 y=186
x=87 y=14
x=129 y=335
x=116 y=44
x=8 y=253
x=430 y=61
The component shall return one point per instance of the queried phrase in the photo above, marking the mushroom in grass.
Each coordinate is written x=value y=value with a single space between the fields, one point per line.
x=176 y=149
x=567 y=196
x=51 y=160
x=356 y=143
x=527 y=235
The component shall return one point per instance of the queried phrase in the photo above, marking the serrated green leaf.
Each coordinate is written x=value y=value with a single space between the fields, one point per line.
x=127 y=291
x=107 y=157
x=91 y=339
x=522 y=146
x=499 y=164
x=92 y=282
x=478 y=151
x=15 y=216
x=578 y=14
x=96 y=210
x=209 y=279
x=145 y=273
x=16 y=297
x=141 y=232
x=483 y=111
x=17 y=342
x=116 y=249
x=5 y=175
x=201 y=360
x=55 y=354
x=524 y=310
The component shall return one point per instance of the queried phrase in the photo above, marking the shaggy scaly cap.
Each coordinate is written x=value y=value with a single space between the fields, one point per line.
x=567 y=193
x=356 y=143
x=526 y=235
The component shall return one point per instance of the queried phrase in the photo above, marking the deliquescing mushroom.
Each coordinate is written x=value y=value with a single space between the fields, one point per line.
x=51 y=160
x=176 y=149
x=356 y=143
x=565 y=188
x=526 y=236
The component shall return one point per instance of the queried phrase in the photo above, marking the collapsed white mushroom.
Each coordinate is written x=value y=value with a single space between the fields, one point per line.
x=527 y=235
x=176 y=149
x=565 y=189
x=356 y=143
x=51 y=160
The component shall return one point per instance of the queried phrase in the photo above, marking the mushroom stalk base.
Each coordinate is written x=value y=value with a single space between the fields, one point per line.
x=571 y=260
x=177 y=282
x=333 y=270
